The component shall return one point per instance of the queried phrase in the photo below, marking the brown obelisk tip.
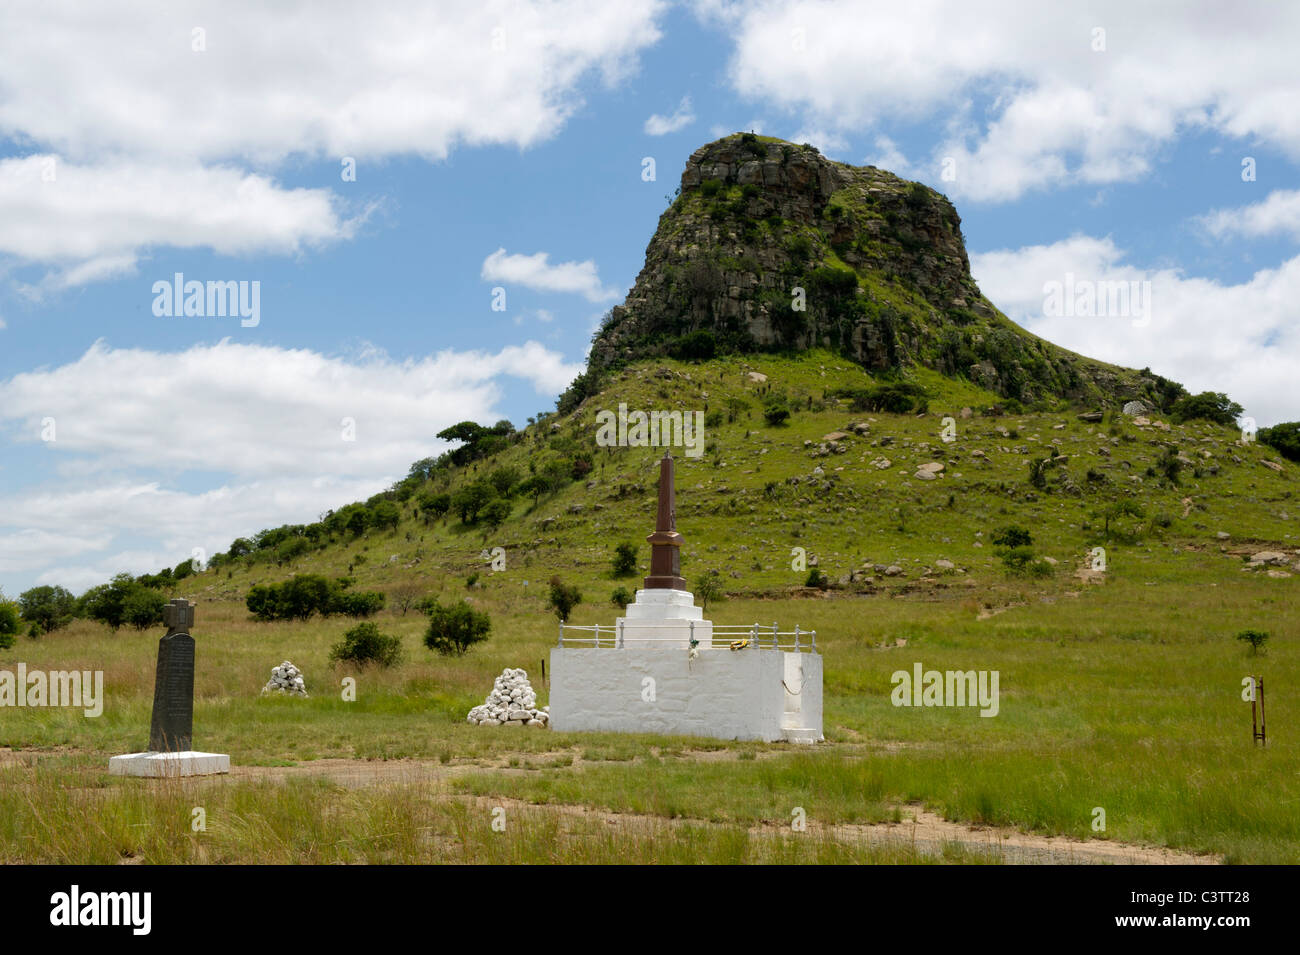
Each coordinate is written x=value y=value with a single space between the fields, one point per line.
x=665 y=542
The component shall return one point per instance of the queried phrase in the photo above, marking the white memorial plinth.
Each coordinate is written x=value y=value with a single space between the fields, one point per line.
x=664 y=675
x=188 y=763
x=664 y=618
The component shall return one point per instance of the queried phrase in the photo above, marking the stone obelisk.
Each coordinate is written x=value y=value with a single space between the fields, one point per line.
x=665 y=542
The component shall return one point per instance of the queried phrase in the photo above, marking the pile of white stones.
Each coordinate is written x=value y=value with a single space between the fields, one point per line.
x=286 y=678
x=512 y=702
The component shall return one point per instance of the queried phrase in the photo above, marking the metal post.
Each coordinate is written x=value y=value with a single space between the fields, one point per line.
x=561 y=633
x=814 y=641
x=774 y=639
x=753 y=637
x=1257 y=729
x=796 y=638
x=621 y=625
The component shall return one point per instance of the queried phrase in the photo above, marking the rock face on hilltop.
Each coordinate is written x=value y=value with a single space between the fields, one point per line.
x=771 y=246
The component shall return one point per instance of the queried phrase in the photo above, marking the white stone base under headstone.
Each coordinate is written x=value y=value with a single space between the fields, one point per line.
x=188 y=763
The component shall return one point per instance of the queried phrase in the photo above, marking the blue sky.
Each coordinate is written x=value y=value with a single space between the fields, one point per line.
x=502 y=145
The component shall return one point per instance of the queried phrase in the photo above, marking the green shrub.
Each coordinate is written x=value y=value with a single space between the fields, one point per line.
x=122 y=600
x=1256 y=639
x=303 y=596
x=817 y=579
x=621 y=597
x=360 y=604
x=563 y=598
x=143 y=608
x=710 y=188
x=799 y=248
x=1021 y=562
x=9 y=623
x=1208 y=406
x=1012 y=536
x=694 y=346
x=708 y=588
x=454 y=628
x=433 y=506
x=895 y=397
x=496 y=513
x=776 y=410
x=625 y=559
x=1283 y=438
x=50 y=608
x=364 y=644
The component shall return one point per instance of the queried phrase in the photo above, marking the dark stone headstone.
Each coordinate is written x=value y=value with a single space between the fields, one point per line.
x=172 y=727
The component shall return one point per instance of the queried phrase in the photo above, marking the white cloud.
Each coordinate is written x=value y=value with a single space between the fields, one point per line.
x=1241 y=339
x=93 y=221
x=1026 y=101
x=152 y=134
x=718 y=130
x=1277 y=214
x=20 y=550
x=535 y=272
x=404 y=77
x=827 y=141
x=682 y=117
x=258 y=410
x=3 y=326
x=131 y=424
x=888 y=157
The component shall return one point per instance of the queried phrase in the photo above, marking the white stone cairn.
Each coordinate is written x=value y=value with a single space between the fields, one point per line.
x=512 y=702
x=286 y=678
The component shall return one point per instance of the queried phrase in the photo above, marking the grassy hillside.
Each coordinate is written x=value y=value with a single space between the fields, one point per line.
x=1120 y=689
x=756 y=493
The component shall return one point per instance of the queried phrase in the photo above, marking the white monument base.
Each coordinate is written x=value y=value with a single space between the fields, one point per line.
x=188 y=763
x=749 y=694
x=664 y=619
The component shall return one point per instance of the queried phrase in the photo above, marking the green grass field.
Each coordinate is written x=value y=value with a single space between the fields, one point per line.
x=1121 y=693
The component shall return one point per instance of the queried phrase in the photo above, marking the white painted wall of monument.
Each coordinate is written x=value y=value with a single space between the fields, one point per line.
x=722 y=693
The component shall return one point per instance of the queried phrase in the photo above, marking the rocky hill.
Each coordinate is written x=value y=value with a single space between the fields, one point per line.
x=770 y=246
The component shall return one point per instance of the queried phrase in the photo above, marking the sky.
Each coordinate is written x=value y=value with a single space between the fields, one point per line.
x=428 y=208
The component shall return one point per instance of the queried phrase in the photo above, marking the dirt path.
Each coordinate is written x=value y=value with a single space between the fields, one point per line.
x=926 y=832
x=921 y=830
x=930 y=833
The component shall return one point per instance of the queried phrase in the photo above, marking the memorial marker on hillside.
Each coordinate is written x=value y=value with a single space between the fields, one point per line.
x=171 y=729
x=664 y=668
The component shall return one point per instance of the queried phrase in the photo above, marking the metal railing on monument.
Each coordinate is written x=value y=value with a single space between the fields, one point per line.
x=752 y=637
